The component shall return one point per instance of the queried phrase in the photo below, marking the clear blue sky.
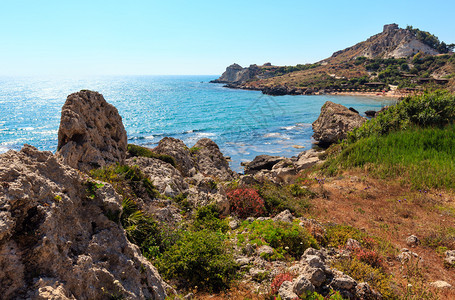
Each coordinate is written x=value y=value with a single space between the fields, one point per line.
x=194 y=36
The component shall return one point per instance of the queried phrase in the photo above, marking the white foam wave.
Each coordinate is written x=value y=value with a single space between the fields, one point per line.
x=272 y=135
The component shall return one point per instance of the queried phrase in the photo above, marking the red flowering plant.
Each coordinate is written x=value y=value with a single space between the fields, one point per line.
x=246 y=202
x=366 y=253
x=278 y=281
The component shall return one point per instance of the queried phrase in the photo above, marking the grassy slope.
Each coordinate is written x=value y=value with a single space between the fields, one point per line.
x=414 y=141
x=345 y=74
x=423 y=158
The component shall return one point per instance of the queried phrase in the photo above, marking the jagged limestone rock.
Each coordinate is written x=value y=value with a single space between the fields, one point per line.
x=334 y=122
x=180 y=152
x=56 y=239
x=210 y=161
x=91 y=133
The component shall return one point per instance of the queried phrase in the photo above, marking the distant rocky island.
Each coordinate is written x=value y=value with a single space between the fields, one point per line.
x=396 y=61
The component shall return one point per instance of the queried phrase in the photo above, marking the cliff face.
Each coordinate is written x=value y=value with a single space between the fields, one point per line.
x=57 y=240
x=391 y=42
x=238 y=75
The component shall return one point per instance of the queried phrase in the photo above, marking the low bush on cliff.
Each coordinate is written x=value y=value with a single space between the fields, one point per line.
x=363 y=272
x=142 y=230
x=199 y=258
x=292 y=197
x=246 y=202
x=129 y=181
x=208 y=217
x=135 y=150
x=285 y=238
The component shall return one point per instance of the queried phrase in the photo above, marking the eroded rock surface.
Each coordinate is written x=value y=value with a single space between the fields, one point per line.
x=236 y=74
x=180 y=152
x=334 y=122
x=261 y=162
x=91 y=133
x=56 y=241
x=167 y=179
x=210 y=161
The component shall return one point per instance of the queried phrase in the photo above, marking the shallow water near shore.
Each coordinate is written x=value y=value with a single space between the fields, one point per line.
x=243 y=123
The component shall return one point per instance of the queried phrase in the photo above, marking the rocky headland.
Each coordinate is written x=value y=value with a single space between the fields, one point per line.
x=394 y=63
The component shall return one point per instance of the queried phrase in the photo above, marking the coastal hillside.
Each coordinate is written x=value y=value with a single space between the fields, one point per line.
x=398 y=60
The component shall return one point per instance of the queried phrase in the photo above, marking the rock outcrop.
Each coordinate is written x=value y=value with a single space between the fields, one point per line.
x=180 y=152
x=334 y=122
x=276 y=169
x=261 y=162
x=91 y=133
x=56 y=239
x=167 y=179
x=210 y=161
x=238 y=75
x=391 y=42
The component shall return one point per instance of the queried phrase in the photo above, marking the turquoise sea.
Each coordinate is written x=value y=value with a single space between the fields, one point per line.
x=243 y=123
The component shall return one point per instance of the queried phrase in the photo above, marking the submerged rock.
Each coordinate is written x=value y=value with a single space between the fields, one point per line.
x=91 y=133
x=334 y=122
x=56 y=239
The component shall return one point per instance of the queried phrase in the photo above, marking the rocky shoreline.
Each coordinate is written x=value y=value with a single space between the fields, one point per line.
x=59 y=238
x=283 y=90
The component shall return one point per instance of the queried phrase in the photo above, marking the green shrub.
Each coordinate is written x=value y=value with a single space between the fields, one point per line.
x=128 y=181
x=145 y=232
x=91 y=188
x=332 y=295
x=277 y=198
x=429 y=109
x=194 y=150
x=285 y=238
x=208 y=217
x=338 y=235
x=136 y=150
x=363 y=272
x=200 y=259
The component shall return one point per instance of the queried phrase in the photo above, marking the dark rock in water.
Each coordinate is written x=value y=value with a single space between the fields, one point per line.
x=275 y=90
x=91 y=133
x=370 y=113
x=334 y=122
x=261 y=162
x=353 y=110
x=58 y=244
x=180 y=152
x=210 y=161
